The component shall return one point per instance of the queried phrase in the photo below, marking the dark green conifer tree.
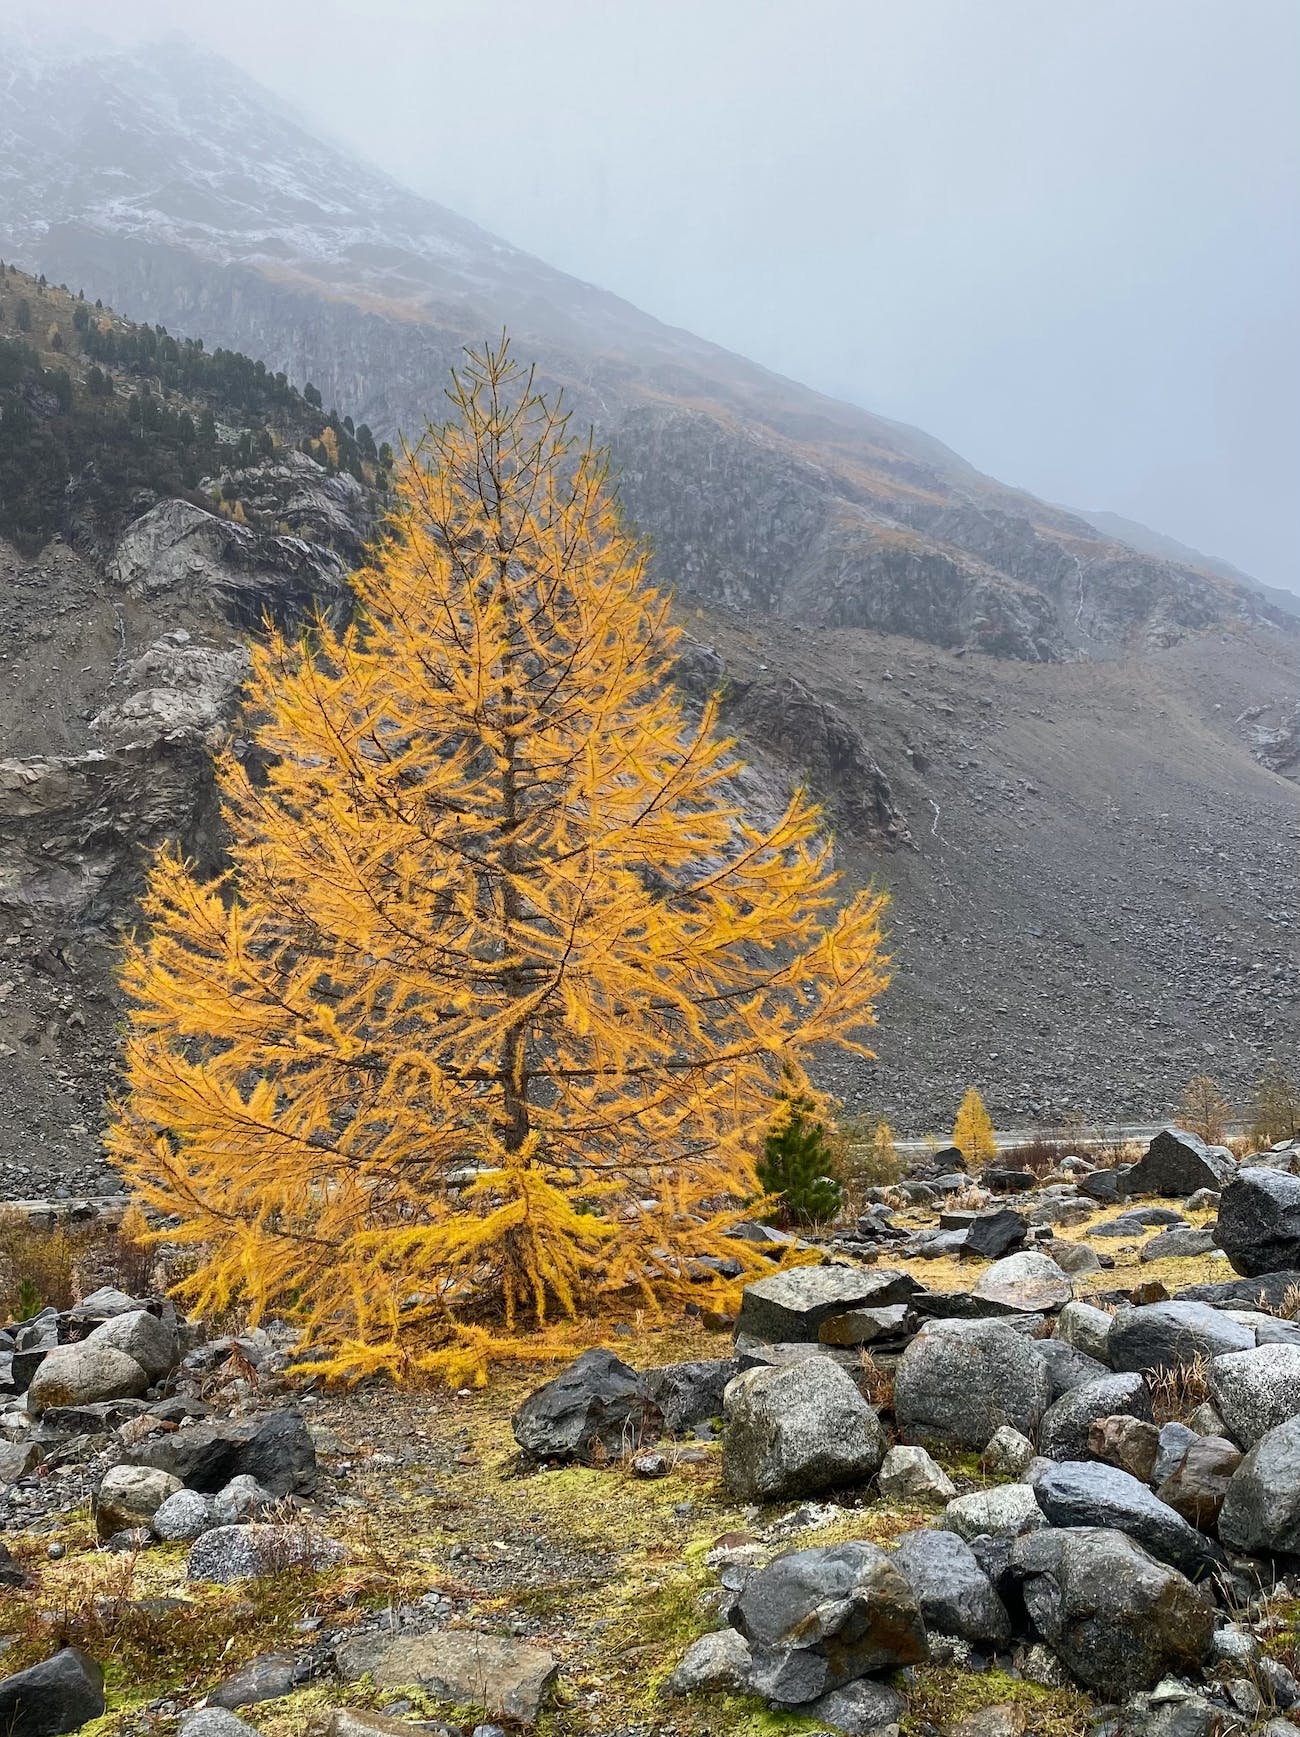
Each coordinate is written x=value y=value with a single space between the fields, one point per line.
x=800 y=1164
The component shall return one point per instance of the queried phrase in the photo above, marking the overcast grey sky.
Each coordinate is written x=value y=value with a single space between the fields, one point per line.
x=1062 y=235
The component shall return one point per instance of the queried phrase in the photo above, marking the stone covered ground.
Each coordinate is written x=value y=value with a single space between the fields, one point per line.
x=1100 y=1537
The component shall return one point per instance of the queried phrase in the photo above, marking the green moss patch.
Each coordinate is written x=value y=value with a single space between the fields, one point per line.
x=941 y=1694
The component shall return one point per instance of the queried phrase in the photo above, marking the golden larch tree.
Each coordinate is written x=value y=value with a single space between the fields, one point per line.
x=484 y=1022
x=972 y=1132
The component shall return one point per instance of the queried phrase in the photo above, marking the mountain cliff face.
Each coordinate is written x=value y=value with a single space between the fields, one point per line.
x=177 y=189
x=123 y=617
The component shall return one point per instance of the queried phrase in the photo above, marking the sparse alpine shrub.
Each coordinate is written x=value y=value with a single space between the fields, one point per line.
x=1041 y=1155
x=1204 y=1109
x=873 y=1159
x=38 y=1267
x=1276 y=1110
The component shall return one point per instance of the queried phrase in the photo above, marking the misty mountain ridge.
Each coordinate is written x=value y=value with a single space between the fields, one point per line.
x=187 y=194
x=1164 y=548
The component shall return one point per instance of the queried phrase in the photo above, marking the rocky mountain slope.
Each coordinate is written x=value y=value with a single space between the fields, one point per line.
x=1072 y=762
x=176 y=188
x=1071 y=885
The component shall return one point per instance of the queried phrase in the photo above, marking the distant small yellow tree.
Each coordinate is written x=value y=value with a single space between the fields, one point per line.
x=482 y=1026
x=972 y=1132
x=1204 y=1109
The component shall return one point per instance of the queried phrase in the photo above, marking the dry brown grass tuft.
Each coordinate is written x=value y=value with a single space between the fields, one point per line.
x=1286 y=1309
x=970 y=1198
x=1121 y=1152
x=1041 y=1156
x=1176 y=1392
x=877 y=1384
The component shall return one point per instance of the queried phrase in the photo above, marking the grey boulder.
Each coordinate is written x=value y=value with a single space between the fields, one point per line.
x=1074 y=1257
x=1068 y=1368
x=793 y=1305
x=1086 y=1329
x=1104 y=1186
x=243 y=1498
x=796 y=1430
x=183 y=1516
x=266 y=1678
x=82 y=1374
x=230 y=1553
x=1003 y=1511
x=142 y=1336
x=214 y=1722
x=17 y=1460
x=1175 y=1439
x=867 y=1326
x=960 y=1381
x=1166 y=1335
x=102 y=1305
x=1265 y=1290
x=507 y=1678
x=689 y=1394
x=1205 y=1420
x=1269 y=1331
x=1007 y=1454
x=1063 y=1433
x=1198 y=1485
x=130 y=1496
x=1089 y=1494
x=718 y=1660
x=1254 y=1391
x=1183 y=1242
x=1261 y=1512
x=861 y=1709
x=276 y=1449
x=955 y=1595
x=1029 y=1283
x=818 y=1619
x=356 y=1722
x=908 y=1474
x=597 y=1408
x=1117 y=1618
x=996 y=1233
x=1127 y=1442
x=1138 y=1220
x=1178 y=1162
x=62 y=1693
x=1259 y=1221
